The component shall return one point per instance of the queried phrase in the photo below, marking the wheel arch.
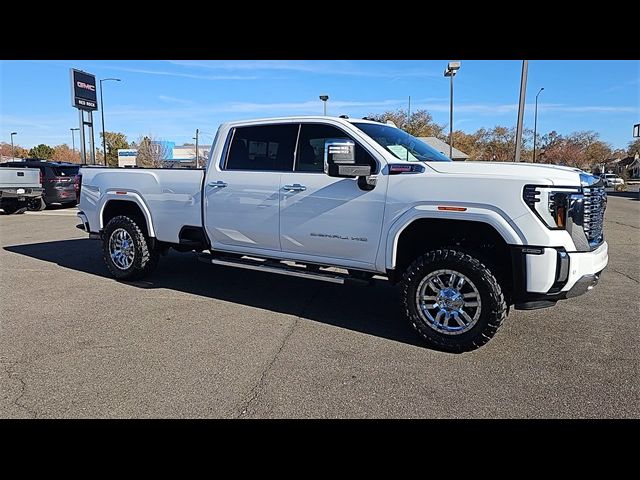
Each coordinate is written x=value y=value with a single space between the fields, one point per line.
x=429 y=214
x=129 y=204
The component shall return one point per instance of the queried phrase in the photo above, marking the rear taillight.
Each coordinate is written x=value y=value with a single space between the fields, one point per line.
x=41 y=179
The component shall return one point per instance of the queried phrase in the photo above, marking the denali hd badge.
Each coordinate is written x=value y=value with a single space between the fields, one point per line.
x=339 y=237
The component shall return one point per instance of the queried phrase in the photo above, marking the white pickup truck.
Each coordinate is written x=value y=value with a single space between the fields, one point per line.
x=341 y=200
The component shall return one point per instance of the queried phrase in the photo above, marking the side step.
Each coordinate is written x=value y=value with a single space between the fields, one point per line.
x=272 y=266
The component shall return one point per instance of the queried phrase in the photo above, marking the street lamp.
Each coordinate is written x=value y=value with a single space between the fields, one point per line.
x=535 y=125
x=452 y=69
x=13 y=153
x=104 y=140
x=73 y=139
x=324 y=99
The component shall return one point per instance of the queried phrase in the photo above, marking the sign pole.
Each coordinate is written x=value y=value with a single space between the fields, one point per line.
x=91 y=140
x=83 y=148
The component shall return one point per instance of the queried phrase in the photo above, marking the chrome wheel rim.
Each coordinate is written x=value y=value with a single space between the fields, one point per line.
x=448 y=302
x=121 y=249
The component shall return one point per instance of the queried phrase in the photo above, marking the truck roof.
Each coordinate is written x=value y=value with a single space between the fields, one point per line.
x=300 y=118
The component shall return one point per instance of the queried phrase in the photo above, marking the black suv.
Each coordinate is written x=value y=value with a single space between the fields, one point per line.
x=60 y=181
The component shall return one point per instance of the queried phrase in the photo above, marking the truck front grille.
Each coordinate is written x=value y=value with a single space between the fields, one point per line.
x=595 y=203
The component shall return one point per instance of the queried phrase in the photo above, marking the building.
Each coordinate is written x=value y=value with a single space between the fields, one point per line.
x=625 y=167
x=183 y=156
x=443 y=147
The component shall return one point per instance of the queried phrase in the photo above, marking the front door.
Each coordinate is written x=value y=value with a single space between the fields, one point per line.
x=325 y=216
x=242 y=191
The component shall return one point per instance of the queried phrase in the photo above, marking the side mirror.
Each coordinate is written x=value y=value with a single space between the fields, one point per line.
x=340 y=159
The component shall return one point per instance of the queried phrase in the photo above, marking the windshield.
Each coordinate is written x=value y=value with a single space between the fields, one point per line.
x=401 y=144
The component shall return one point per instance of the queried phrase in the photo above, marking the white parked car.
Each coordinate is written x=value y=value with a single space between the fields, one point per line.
x=342 y=200
x=611 y=180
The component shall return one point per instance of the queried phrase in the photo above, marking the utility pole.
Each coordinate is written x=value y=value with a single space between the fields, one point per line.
x=523 y=92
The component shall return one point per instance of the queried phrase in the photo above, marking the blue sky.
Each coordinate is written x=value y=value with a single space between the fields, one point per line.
x=170 y=99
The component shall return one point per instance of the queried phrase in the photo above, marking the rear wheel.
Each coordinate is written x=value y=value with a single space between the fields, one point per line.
x=126 y=250
x=36 y=205
x=13 y=207
x=453 y=300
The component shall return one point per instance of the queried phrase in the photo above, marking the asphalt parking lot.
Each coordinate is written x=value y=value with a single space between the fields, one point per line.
x=196 y=340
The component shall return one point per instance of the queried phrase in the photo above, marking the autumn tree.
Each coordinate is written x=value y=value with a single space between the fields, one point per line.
x=152 y=152
x=42 y=151
x=62 y=153
x=419 y=124
x=17 y=152
x=634 y=147
x=114 y=141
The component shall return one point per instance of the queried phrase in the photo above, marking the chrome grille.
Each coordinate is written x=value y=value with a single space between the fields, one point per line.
x=595 y=203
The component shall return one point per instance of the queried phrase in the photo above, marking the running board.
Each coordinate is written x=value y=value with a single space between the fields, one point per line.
x=275 y=267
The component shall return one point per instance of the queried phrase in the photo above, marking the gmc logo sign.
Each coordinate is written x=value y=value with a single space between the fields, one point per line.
x=86 y=86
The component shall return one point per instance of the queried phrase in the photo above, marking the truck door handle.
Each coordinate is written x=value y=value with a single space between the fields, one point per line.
x=217 y=184
x=296 y=187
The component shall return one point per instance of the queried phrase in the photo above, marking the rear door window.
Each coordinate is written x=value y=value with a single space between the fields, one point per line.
x=64 y=171
x=262 y=148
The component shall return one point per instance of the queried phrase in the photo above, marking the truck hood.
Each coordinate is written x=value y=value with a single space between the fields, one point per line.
x=534 y=172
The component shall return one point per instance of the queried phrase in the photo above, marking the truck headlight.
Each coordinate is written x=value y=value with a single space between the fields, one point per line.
x=550 y=204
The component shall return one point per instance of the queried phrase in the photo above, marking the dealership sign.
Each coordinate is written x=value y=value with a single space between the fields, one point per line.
x=83 y=90
x=127 y=157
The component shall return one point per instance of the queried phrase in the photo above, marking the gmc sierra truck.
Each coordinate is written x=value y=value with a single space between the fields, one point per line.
x=341 y=200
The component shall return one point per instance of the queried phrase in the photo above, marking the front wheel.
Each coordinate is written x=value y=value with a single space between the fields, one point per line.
x=126 y=250
x=453 y=300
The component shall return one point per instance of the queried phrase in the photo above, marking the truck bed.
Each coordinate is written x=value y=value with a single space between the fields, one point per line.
x=171 y=197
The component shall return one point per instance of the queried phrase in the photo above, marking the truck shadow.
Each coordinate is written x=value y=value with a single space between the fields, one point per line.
x=372 y=310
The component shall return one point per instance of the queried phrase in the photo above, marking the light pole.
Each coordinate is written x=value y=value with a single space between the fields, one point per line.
x=73 y=139
x=196 y=139
x=104 y=140
x=324 y=99
x=523 y=94
x=452 y=69
x=535 y=125
x=13 y=153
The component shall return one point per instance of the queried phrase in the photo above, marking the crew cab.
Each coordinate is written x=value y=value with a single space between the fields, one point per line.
x=344 y=200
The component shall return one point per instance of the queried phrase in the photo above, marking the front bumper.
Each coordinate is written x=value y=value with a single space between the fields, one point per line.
x=542 y=276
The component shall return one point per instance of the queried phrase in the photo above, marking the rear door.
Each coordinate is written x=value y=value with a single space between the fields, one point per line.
x=242 y=189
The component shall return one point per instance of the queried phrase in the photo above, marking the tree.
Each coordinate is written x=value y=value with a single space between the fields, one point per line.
x=62 y=153
x=114 y=141
x=42 y=151
x=634 y=147
x=152 y=152
x=17 y=152
x=419 y=124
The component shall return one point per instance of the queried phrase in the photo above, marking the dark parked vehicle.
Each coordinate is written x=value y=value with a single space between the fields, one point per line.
x=59 y=180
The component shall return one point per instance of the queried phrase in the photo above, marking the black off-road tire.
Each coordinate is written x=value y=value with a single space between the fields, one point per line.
x=145 y=258
x=494 y=306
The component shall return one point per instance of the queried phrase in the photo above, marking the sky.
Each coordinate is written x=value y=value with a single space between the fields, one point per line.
x=170 y=99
